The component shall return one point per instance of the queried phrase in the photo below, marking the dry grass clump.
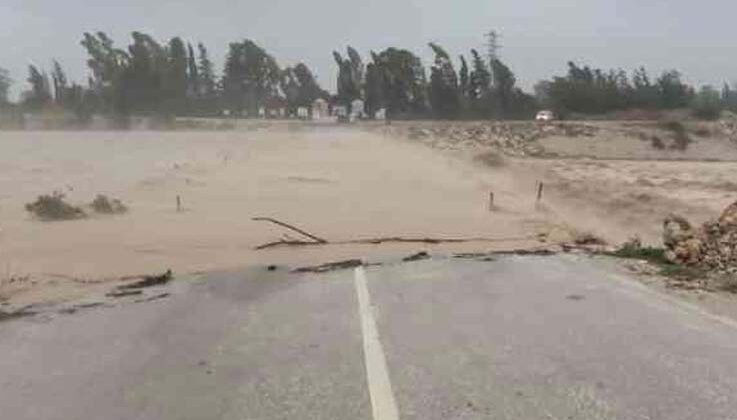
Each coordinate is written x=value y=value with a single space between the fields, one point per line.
x=104 y=205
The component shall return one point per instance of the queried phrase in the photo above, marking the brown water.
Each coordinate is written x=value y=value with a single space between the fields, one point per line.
x=340 y=184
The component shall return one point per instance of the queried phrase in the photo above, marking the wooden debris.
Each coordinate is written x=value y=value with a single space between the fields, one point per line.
x=290 y=227
x=124 y=293
x=324 y=268
x=417 y=257
x=149 y=281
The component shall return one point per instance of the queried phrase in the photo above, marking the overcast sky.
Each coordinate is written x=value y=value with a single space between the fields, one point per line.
x=539 y=36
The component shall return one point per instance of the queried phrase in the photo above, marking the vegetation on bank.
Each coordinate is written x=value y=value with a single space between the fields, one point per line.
x=178 y=78
x=634 y=249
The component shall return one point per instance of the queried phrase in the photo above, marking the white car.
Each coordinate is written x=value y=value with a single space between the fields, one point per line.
x=545 y=116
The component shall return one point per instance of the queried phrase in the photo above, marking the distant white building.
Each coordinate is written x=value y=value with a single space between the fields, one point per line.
x=341 y=113
x=357 y=109
x=303 y=113
x=320 y=109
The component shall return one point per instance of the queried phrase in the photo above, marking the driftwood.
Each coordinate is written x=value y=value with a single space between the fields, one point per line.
x=417 y=257
x=380 y=241
x=280 y=243
x=399 y=239
x=149 y=281
x=318 y=241
x=290 y=227
x=324 y=268
x=124 y=293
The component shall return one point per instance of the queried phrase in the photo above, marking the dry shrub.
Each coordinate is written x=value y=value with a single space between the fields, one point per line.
x=702 y=132
x=52 y=207
x=681 y=139
x=104 y=205
x=587 y=238
x=490 y=158
x=657 y=143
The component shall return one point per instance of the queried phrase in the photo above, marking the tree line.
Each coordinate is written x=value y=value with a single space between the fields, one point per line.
x=395 y=80
x=168 y=79
x=176 y=78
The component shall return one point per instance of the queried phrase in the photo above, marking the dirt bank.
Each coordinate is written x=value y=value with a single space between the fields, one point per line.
x=603 y=177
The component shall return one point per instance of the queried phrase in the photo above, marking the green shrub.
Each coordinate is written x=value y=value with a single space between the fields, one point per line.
x=634 y=249
x=707 y=104
x=53 y=207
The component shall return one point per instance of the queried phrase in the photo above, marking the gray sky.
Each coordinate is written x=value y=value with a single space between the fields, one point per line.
x=539 y=36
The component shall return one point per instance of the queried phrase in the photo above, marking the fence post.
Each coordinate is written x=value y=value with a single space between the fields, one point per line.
x=540 y=187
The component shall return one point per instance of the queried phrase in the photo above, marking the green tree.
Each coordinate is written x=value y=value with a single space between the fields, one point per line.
x=503 y=88
x=59 y=79
x=206 y=70
x=374 y=89
x=309 y=89
x=350 y=77
x=300 y=87
x=465 y=82
x=193 y=74
x=729 y=98
x=479 y=87
x=290 y=87
x=144 y=82
x=40 y=93
x=251 y=77
x=444 y=96
x=107 y=64
x=5 y=83
x=673 y=92
x=398 y=83
x=590 y=90
x=176 y=79
x=644 y=93
x=707 y=104
x=207 y=82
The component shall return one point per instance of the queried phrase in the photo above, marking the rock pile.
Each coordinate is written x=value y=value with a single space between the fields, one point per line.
x=511 y=138
x=728 y=126
x=712 y=246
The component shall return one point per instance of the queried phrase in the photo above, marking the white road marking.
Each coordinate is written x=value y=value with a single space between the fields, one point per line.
x=383 y=404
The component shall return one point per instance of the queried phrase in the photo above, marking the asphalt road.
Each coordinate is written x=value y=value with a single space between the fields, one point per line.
x=516 y=338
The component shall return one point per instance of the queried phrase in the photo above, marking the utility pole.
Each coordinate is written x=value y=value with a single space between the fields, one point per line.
x=492 y=50
x=492 y=45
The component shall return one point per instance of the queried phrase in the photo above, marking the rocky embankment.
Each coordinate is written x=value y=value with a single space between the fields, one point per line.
x=511 y=138
x=712 y=246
